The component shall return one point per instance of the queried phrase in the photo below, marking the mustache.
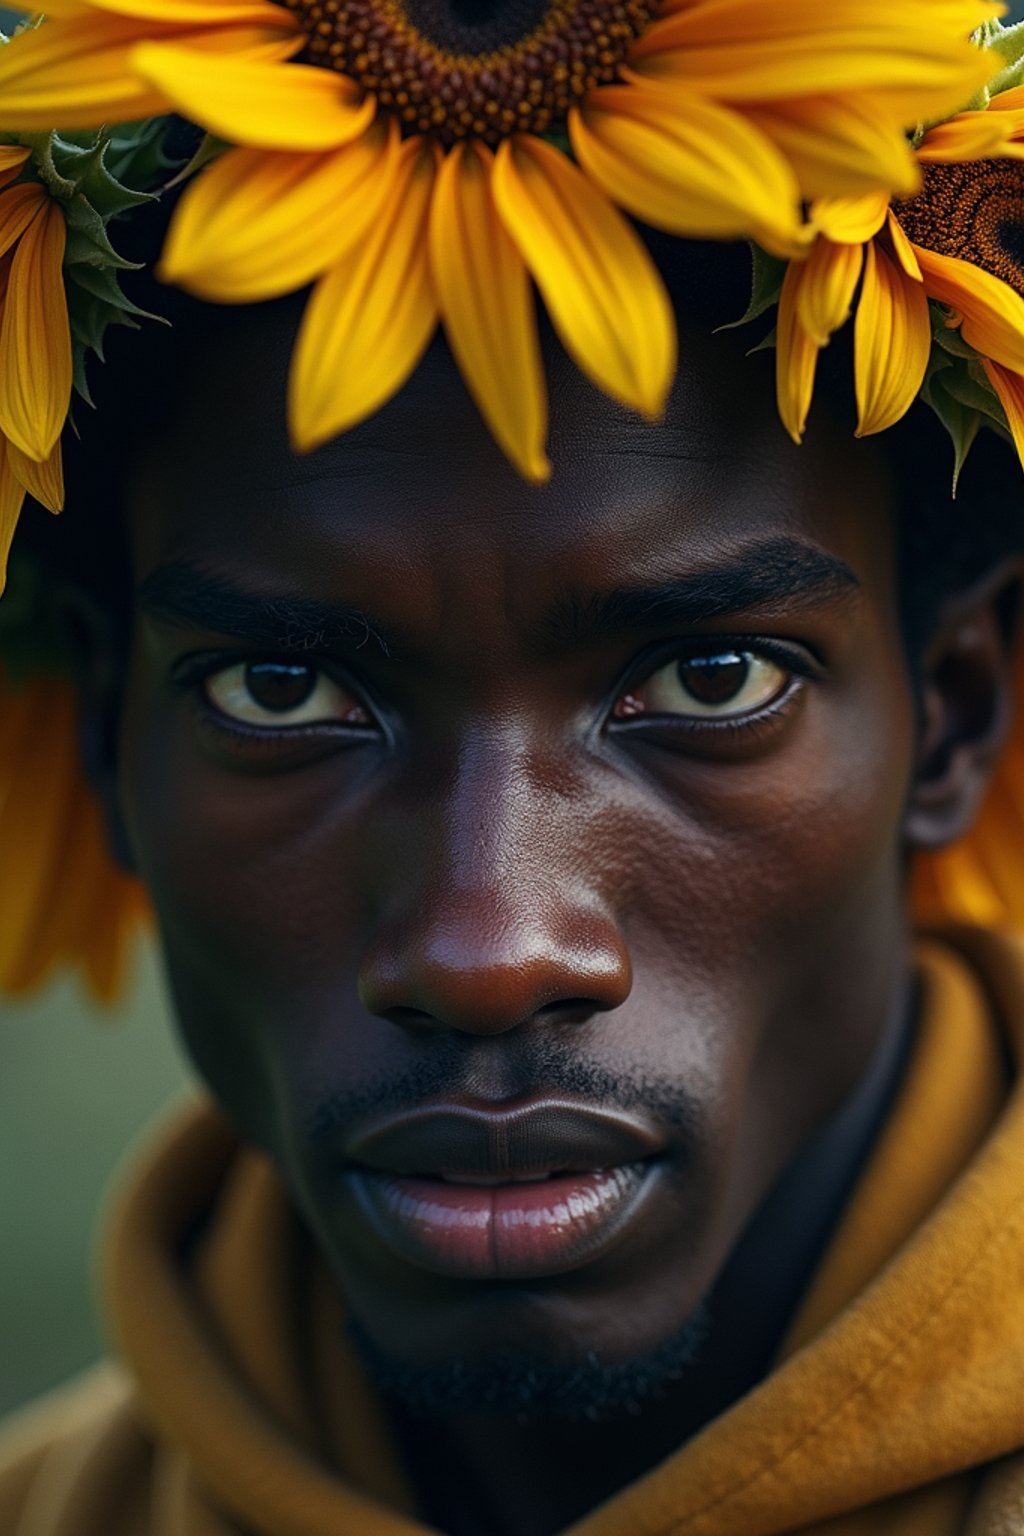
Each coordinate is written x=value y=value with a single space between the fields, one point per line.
x=453 y=1071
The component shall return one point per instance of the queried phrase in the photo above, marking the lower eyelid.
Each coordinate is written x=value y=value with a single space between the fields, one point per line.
x=710 y=728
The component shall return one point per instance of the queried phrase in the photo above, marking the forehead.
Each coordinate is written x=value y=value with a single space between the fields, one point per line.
x=415 y=514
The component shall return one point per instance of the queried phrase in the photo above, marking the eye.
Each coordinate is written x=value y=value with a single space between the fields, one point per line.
x=707 y=684
x=281 y=694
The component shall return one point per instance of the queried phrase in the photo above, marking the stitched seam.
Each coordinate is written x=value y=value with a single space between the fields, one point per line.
x=989 y=1248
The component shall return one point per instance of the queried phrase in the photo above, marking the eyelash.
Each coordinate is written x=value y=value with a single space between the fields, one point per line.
x=191 y=672
x=700 y=734
x=189 y=675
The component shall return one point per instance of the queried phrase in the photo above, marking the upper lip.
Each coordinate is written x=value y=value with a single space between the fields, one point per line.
x=549 y=1135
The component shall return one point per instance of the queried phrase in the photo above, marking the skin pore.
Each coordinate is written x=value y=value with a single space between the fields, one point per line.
x=456 y=792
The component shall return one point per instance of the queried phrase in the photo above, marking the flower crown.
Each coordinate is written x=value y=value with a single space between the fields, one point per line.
x=413 y=168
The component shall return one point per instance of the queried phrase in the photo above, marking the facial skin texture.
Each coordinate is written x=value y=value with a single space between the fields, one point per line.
x=499 y=882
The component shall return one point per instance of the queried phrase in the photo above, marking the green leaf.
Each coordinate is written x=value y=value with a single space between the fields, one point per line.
x=767 y=343
x=948 y=338
x=767 y=273
x=959 y=420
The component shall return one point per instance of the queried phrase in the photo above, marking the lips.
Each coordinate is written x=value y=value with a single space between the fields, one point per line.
x=522 y=1192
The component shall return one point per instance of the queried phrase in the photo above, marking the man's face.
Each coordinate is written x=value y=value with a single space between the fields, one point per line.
x=527 y=861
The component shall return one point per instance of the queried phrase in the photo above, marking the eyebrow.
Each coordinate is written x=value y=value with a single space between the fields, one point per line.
x=779 y=574
x=184 y=596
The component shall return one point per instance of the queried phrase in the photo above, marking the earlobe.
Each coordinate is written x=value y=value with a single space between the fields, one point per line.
x=966 y=705
x=97 y=648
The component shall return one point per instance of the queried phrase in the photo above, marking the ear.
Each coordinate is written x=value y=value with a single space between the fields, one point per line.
x=966 y=693
x=97 y=643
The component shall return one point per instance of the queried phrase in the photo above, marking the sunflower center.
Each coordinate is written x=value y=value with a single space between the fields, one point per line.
x=482 y=68
x=974 y=211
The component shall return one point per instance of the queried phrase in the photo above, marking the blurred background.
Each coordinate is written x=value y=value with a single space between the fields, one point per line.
x=76 y=1088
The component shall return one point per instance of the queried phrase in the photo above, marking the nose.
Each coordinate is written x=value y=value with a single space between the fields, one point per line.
x=491 y=920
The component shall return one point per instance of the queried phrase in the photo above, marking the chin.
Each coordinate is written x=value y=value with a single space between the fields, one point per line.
x=529 y=1384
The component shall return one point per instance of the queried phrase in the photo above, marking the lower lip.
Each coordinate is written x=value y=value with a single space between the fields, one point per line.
x=519 y=1231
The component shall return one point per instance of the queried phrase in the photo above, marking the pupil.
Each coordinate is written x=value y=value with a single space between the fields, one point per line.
x=279 y=686
x=714 y=679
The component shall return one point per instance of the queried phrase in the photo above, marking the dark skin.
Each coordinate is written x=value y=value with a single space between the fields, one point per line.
x=506 y=857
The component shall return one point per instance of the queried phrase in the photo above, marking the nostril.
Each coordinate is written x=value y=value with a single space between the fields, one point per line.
x=410 y=1018
x=570 y=1010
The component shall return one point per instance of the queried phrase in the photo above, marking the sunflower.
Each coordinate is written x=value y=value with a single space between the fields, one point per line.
x=957 y=242
x=66 y=903
x=418 y=163
x=35 y=346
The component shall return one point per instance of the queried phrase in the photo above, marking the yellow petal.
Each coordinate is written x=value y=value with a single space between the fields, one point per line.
x=971 y=136
x=167 y=14
x=255 y=223
x=850 y=220
x=487 y=308
x=33 y=825
x=826 y=288
x=903 y=250
x=73 y=73
x=687 y=165
x=1007 y=101
x=914 y=59
x=1009 y=386
x=370 y=318
x=12 y=496
x=44 y=481
x=18 y=207
x=837 y=147
x=79 y=73
x=270 y=105
x=603 y=292
x=993 y=314
x=892 y=340
x=35 y=341
x=12 y=160
x=796 y=357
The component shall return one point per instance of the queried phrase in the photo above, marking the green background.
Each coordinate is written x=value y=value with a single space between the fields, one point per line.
x=76 y=1086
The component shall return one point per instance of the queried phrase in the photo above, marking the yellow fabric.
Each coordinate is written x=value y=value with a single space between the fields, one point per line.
x=238 y=1412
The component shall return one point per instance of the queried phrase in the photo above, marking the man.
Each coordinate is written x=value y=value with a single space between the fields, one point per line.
x=593 y=1148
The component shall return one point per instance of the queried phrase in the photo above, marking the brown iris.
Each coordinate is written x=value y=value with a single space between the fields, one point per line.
x=278 y=686
x=974 y=211
x=487 y=68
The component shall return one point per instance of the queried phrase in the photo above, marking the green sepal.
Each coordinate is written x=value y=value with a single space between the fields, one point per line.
x=948 y=338
x=767 y=343
x=767 y=273
x=211 y=148
x=136 y=156
x=96 y=302
x=1008 y=44
x=959 y=420
x=957 y=390
x=96 y=178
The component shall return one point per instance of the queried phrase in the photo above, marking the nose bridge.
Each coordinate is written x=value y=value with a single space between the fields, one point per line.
x=494 y=919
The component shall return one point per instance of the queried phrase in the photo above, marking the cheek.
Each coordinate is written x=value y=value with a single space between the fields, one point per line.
x=767 y=914
x=255 y=894
x=802 y=836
